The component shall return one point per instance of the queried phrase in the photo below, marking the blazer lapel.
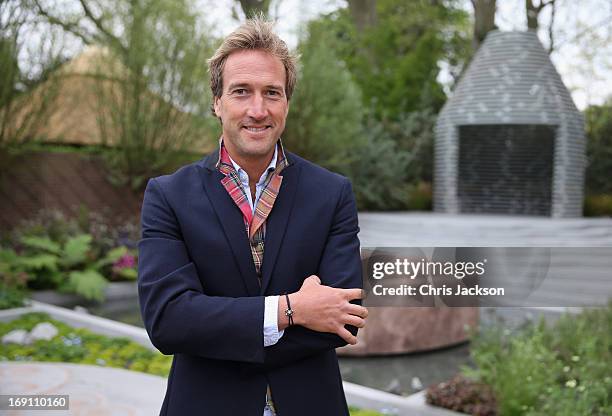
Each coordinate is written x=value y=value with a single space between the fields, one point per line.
x=231 y=220
x=276 y=224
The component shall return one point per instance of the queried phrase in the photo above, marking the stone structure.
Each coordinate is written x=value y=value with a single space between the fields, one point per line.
x=400 y=330
x=510 y=140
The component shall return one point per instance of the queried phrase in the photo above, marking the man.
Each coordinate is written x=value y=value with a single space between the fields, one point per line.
x=249 y=266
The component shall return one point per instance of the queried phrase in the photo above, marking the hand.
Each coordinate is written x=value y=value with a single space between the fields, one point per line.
x=326 y=309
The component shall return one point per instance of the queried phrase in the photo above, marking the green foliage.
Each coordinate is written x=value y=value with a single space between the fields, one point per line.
x=366 y=102
x=24 y=100
x=541 y=370
x=76 y=249
x=332 y=128
x=66 y=265
x=354 y=411
x=42 y=243
x=13 y=279
x=160 y=107
x=395 y=61
x=599 y=148
x=56 y=253
x=379 y=172
x=325 y=116
x=74 y=345
x=88 y=283
x=40 y=262
x=598 y=205
x=11 y=297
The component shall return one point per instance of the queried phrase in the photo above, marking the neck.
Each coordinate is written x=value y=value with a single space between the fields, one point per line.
x=255 y=166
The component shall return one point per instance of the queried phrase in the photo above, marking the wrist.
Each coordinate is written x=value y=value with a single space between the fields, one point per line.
x=298 y=316
x=283 y=321
x=289 y=311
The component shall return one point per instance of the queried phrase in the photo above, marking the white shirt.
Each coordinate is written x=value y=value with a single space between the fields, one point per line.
x=271 y=334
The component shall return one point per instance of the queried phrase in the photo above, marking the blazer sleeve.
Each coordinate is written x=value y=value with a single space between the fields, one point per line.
x=340 y=267
x=177 y=315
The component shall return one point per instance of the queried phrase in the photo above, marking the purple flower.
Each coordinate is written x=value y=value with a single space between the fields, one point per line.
x=124 y=262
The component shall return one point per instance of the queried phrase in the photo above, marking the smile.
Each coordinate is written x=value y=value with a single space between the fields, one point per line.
x=256 y=129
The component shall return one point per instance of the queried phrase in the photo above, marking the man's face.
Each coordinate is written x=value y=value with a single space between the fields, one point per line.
x=253 y=105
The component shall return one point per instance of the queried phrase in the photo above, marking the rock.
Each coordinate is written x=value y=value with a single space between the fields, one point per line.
x=81 y=309
x=16 y=336
x=416 y=384
x=43 y=330
x=394 y=387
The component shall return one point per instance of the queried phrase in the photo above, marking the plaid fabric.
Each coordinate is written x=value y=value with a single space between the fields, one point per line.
x=254 y=222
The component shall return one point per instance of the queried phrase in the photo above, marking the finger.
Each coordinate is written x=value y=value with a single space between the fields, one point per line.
x=314 y=278
x=354 y=320
x=347 y=336
x=357 y=310
x=353 y=293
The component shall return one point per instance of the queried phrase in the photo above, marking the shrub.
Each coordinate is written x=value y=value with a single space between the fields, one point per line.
x=57 y=253
x=13 y=280
x=378 y=171
x=543 y=370
x=598 y=205
x=598 y=120
x=324 y=127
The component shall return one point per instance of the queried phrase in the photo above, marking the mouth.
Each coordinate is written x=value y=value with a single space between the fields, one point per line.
x=256 y=129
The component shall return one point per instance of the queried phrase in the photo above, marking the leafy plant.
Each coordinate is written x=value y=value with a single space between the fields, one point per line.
x=72 y=265
x=13 y=280
x=598 y=128
x=51 y=245
x=542 y=370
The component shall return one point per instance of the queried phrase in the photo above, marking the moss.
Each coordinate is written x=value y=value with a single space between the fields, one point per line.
x=77 y=345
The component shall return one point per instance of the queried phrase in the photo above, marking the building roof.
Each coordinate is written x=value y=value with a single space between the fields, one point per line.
x=510 y=80
x=74 y=99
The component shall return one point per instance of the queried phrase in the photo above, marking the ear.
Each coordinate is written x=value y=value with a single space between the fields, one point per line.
x=217 y=106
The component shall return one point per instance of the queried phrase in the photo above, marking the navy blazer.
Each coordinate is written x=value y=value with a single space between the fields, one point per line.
x=201 y=301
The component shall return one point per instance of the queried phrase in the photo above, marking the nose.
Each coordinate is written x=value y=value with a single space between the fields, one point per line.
x=257 y=107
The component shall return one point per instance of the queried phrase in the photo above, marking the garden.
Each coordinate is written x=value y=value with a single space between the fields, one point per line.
x=535 y=369
x=96 y=100
x=68 y=255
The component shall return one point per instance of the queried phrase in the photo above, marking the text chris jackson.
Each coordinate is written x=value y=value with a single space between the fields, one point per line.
x=405 y=268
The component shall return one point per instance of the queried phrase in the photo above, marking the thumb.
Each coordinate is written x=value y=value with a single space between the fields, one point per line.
x=313 y=279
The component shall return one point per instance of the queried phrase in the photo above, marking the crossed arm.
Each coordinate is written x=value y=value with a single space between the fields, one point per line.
x=180 y=318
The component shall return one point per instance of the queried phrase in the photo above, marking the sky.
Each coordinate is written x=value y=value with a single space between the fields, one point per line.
x=582 y=31
x=579 y=25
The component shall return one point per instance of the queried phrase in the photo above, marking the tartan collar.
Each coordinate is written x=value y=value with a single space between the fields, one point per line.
x=225 y=163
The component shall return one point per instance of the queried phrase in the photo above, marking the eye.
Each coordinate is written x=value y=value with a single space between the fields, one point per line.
x=274 y=93
x=239 y=91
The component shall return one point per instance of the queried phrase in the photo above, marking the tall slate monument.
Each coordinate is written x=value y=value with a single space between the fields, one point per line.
x=510 y=140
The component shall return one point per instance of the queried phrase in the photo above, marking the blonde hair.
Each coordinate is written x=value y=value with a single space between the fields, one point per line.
x=254 y=34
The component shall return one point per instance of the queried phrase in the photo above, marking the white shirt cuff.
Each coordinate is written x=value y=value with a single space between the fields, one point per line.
x=271 y=334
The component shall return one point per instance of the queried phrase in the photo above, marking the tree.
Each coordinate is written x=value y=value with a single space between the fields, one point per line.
x=533 y=14
x=484 y=20
x=326 y=111
x=24 y=100
x=363 y=13
x=255 y=7
x=329 y=125
x=155 y=99
x=599 y=148
x=394 y=57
